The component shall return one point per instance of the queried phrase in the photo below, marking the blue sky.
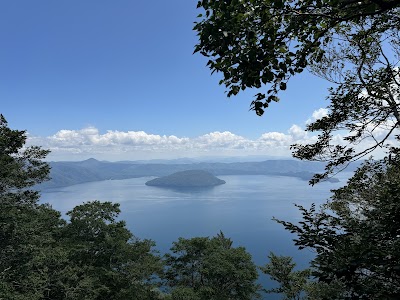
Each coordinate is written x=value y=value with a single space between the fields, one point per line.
x=118 y=80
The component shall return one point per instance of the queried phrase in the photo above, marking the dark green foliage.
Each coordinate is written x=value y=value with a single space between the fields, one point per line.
x=204 y=268
x=104 y=256
x=291 y=283
x=353 y=44
x=20 y=169
x=184 y=293
x=28 y=231
x=42 y=256
x=356 y=234
x=299 y=284
x=261 y=41
x=29 y=253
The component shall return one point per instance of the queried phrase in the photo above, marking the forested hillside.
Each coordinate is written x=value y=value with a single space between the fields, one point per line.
x=69 y=173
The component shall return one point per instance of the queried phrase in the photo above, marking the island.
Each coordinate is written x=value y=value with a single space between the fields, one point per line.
x=187 y=179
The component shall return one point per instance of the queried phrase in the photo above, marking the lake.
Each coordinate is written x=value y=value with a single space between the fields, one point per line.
x=242 y=208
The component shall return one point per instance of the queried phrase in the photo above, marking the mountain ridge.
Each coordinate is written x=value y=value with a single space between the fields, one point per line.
x=69 y=173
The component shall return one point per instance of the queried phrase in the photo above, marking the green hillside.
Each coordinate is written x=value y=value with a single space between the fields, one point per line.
x=189 y=178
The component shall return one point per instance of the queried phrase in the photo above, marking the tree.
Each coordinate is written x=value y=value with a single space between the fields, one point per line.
x=356 y=46
x=353 y=44
x=356 y=235
x=299 y=284
x=292 y=283
x=204 y=268
x=105 y=261
x=20 y=169
x=28 y=230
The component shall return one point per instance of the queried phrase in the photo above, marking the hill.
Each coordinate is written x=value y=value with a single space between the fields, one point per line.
x=69 y=173
x=189 y=178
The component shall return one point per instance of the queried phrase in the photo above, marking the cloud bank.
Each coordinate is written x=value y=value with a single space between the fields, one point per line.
x=119 y=145
x=116 y=145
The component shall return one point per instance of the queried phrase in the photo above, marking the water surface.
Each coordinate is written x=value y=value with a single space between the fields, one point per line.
x=242 y=208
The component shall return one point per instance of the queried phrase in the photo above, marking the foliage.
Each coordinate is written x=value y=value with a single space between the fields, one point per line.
x=299 y=284
x=20 y=169
x=28 y=230
x=103 y=253
x=42 y=256
x=353 y=44
x=292 y=283
x=184 y=293
x=356 y=234
x=210 y=268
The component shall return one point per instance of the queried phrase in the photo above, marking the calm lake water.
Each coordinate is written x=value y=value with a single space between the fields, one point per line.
x=242 y=208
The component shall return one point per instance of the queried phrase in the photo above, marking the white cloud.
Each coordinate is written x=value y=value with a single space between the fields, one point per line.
x=132 y=145
x=317 y=114
x=218 y=139
x=297 y=132
x=91 y=136
x=118 y=145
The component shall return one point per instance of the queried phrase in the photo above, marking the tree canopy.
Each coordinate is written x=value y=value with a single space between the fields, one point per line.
x=291 y=283
x=27 y=229
x=356 y=234
x=20 y=168
x=204 y=268
x=353 y=44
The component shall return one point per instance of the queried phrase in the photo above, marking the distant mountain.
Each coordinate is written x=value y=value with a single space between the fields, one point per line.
x=207 y=159
x=70 y=173
x=189 y=178
x=67 y=173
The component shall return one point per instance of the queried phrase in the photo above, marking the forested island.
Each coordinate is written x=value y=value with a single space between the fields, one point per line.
x=187 y=179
